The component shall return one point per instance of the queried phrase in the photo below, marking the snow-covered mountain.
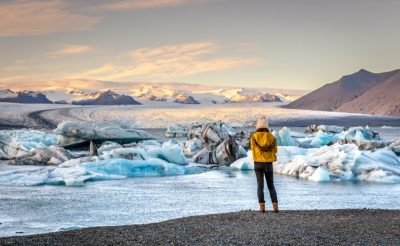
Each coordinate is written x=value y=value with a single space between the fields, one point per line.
x=242 y=95
x=107 y=98
x=23 y=97
x=66 y=92
x=158 y=93
x=208 y=94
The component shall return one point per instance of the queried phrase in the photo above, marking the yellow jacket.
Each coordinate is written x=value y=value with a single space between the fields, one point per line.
x=263 y=146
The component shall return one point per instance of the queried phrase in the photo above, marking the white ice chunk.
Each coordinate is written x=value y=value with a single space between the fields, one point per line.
x=246 y=163
x=92 y=171
x=284 y=138
x=192 y=147
x=15 y=143
x=321 y=174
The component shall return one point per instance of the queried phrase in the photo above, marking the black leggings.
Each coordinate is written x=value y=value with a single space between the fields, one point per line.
x=261 y=169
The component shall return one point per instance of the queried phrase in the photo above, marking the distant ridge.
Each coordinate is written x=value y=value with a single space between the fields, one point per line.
x=23 y=97
x=382 y=99
x=352 y=93
x=108 y=98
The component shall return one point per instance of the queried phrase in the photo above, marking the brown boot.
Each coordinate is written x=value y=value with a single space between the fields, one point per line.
x=262 y=207
x=275 y=208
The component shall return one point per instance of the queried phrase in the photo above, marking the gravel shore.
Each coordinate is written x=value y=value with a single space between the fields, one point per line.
x=319 y=227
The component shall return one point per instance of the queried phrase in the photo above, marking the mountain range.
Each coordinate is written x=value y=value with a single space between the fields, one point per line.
x=154 y=93
x=360 y=92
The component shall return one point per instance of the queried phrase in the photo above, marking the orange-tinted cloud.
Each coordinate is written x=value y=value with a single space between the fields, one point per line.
x=146 y=4
x=27 y=18
x=166 y=62
x=72 y=49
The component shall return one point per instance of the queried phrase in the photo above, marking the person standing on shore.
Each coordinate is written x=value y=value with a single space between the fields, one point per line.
x=264 y=147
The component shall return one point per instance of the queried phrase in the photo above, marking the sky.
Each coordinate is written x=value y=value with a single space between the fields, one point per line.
x=297 y=44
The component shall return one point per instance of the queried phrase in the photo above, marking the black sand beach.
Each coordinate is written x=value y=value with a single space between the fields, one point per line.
x=319 y=227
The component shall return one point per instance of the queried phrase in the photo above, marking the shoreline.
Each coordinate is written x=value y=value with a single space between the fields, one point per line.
x=301 y=227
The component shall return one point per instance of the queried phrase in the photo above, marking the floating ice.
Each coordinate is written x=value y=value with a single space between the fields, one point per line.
x=321 y=174
x=92 y=171
x=176 y=131
x=333 y=163
x=322 y=138
x=284 y=138
x=15 y=143
x=53 y=155
x=169 y=151
x=107 y=146
x=75 y=131
x=360 y=133
x=325 y=128
x=192 y=147
x=224 y=154
x=212 y=134
x=244 y=163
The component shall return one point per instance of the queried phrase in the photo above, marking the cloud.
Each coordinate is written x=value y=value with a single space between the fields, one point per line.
x=72 y=49
x=166 y=62
x=146 y=4
x=28 y=18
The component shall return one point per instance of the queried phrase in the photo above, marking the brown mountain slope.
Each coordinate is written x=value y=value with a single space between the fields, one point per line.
x=331 y=96
x=382 y=99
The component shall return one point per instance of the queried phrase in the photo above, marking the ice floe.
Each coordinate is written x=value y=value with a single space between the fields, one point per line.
x=334 y=163
x=92 y=171
x=176 y=131
x=15 y=143
x=73 y=132
x=325 y=153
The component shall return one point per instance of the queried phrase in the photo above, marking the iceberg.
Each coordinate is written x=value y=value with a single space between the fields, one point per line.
x=321 y=174
x=224 y=154
x=284 y=137
x=212 y=134
x=107 y=146
x=192 y=147
x=16 y=143
x=245 y=163
x=322 y=138
x=176 y=131
x=169 y=152
x=53 y=155
x=77 y=132
x=93 y=171
x=333 y=163
x=325 y=128
x=360 y=133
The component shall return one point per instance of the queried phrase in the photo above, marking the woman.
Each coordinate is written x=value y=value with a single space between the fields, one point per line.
x=263 y=146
